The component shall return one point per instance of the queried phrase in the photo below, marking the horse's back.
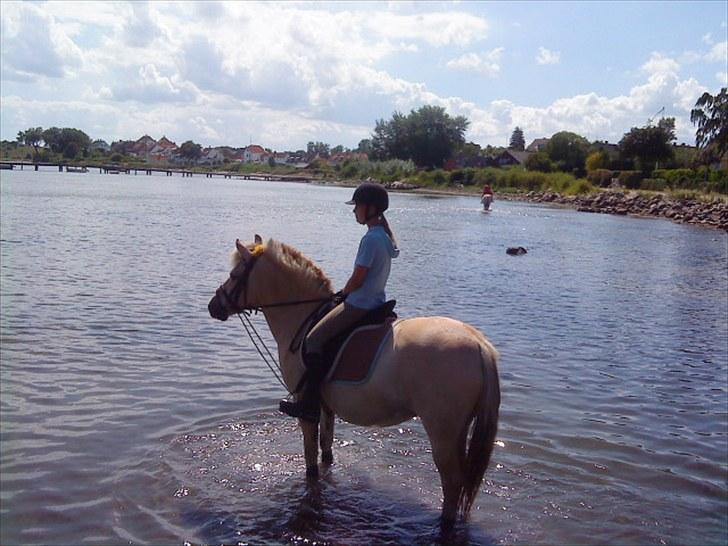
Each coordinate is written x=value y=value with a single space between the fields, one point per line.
x=429 y=364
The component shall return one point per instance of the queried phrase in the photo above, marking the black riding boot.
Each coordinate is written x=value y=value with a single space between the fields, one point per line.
x=308 y=407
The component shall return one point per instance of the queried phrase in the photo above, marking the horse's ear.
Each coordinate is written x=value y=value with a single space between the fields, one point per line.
x=258 y=239
x=242 y=249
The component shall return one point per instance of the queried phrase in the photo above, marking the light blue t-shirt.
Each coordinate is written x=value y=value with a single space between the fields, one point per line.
x=376 y=251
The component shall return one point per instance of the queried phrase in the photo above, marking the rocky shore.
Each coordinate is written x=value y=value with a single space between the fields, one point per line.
x=713 y=214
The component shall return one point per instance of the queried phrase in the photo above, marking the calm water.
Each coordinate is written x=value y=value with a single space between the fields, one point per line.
x=130 y=416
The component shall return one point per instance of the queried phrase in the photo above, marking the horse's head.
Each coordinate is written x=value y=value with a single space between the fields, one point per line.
x=233 y=296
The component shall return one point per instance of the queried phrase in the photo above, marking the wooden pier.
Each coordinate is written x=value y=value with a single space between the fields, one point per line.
x=118 y=169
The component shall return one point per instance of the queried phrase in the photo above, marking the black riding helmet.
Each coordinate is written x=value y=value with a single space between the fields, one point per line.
x=369 y=193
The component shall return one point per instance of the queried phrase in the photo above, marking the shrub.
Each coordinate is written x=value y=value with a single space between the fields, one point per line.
x=600 y=177
x=630 y=179
x=653 y=184
x=466 y=176
x=597 y=160
x=439 y=177
x=579 y=186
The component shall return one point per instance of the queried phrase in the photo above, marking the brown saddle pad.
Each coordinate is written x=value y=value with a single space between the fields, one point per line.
x=358 y=356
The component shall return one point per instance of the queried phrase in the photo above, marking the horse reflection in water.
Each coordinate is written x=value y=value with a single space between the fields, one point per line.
x=437 y=368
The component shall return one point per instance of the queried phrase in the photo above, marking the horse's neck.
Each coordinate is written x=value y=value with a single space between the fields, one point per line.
x=286 y=321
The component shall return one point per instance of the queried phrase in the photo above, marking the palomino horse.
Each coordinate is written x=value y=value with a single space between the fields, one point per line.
x=439 y=369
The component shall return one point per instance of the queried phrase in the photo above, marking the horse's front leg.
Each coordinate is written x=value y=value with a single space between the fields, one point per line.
x=310 y=446
x=327 y=435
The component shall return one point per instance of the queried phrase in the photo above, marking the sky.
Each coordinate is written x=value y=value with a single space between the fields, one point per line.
x=285 y=74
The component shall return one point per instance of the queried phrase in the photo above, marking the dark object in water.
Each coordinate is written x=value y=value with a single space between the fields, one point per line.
x=516 y=250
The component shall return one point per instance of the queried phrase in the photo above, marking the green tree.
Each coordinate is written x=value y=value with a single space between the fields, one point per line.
x=649 y=145
x=52 y=138
x=70 y=151
x=539 y=162
x=518 y=142
x=31 y=137
x=75 y=141
x=711 y=116
x=190 y=151
x=428 y=136
x=597 y=160
x=314 y=149
x=568 y=151
x=365 y=146
x=59 y=140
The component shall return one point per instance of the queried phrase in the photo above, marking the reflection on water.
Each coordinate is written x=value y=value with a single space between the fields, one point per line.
x=128 y=415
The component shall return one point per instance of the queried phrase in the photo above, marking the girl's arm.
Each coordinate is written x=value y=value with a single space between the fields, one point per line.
x=356 y=279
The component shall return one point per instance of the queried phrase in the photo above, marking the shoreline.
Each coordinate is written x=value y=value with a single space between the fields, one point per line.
x=713 y=215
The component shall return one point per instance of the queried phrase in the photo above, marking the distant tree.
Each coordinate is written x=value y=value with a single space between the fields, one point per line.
x=568 y=151
x=190 y=151
x=711 y=116
x=52 y=138
x=75 y=141
x=271 y=161
x=317 y=149
x=60 y=140
x=539 y=162
x=597 y=160
x=428 y=136
x=31 y=137
x=650 y=144
x=337 y=149
x=517 y=140
x=365 y=146
x=70 y=150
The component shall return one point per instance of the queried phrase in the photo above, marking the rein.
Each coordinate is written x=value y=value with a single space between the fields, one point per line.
x=230 y=300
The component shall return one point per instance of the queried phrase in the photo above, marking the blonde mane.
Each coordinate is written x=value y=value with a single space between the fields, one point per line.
x=305 y=272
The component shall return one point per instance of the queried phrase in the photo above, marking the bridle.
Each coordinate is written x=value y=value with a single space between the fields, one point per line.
x=230 y=300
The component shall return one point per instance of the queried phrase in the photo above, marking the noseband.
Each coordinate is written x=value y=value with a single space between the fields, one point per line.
x=229 y=300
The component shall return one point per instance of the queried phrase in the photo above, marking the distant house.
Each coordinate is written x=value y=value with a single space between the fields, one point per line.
x=143 y=146
x=163 y=150
x=254 y=154
x=508 y=158
x=461 y=161
x=280 y=158
x=100 y=145
x=611 y=149
x=212 y=156
x=538 y=145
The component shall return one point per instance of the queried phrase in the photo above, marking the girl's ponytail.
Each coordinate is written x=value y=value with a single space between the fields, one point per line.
x=386 y=227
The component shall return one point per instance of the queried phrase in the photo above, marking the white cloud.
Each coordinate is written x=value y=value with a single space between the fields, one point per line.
x=151 y=86
x=722 y=78
x=718 y=53
x=546 y=56
x=659 y=64
x=35 y=44
x=308 y=73
x=487 y=63
x=707 y=38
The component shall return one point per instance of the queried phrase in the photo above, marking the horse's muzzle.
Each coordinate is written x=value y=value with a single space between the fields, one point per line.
x=216 y=309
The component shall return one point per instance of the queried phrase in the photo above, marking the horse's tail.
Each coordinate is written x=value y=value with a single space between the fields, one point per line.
x=484 y=426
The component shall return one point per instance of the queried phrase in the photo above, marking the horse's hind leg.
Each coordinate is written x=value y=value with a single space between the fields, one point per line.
x=448 y=452
x=326 y=435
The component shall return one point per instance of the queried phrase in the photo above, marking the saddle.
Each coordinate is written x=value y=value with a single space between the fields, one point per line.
x=349 y=355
